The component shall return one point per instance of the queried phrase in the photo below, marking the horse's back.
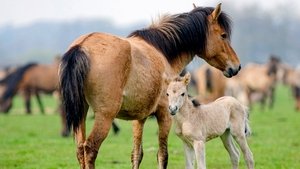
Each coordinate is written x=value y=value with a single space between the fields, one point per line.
x=41 y=77
x=255 y=77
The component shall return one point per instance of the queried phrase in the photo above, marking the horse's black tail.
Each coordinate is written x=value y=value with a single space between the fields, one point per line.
x=12 y=80
x=73 y=71
x=208 y=78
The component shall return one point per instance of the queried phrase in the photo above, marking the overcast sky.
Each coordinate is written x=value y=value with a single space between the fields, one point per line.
x=22 y=12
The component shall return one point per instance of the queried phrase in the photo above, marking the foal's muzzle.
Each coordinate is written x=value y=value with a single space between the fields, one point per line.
x=173 y=110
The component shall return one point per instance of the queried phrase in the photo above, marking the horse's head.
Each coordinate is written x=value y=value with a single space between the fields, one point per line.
x=177 y=93
x=5 y=105
x=273 y=65
x=219 y=52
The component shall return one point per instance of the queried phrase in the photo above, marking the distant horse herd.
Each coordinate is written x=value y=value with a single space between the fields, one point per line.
x=128 y=78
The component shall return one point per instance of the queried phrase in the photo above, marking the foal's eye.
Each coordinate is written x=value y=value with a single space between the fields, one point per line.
x=224 y=36
x=167 y=94
x=182 y=94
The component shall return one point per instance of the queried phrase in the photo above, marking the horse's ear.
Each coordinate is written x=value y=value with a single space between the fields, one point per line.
x=194 y=6
x=216 y=13
x=187 y=78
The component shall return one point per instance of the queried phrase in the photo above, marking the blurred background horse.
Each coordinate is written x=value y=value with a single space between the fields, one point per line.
x=255 y=82
x=32 y=79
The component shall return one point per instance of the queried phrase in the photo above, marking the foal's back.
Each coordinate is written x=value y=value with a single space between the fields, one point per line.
x=219 y=115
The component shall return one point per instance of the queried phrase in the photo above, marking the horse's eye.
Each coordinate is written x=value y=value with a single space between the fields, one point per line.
x=224 y=36
x=182 y=94
x=167 y=94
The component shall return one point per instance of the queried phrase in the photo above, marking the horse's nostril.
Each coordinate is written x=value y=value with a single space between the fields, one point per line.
x=230 y=71
x=240 y=67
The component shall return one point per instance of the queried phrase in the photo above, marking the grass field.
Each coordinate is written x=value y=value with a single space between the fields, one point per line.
x=34 y=142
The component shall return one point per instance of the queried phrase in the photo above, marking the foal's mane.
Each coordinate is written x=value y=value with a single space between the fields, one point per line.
x=177 y=34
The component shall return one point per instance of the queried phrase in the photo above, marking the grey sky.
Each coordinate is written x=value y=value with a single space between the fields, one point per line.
x=20 y=12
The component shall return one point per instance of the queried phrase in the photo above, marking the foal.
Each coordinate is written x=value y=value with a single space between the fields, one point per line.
x=196 y=124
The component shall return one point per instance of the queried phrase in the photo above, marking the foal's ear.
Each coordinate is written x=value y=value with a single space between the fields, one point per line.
x=187 y=78
x=216 y=13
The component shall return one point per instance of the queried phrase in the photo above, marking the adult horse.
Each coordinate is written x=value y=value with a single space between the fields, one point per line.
x=261 y=79
x=32 y=79
x=124 y=77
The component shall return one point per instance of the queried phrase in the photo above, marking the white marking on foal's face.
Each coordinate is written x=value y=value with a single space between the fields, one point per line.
x=176 y=94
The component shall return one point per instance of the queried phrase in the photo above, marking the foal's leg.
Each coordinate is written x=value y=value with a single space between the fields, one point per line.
x=164 y=124
x=199 y=147
x=137 y=152
x=231 y=149
x=241 y=140
x=189 y=156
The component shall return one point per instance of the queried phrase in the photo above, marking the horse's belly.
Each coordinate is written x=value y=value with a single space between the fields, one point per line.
x=138 y=105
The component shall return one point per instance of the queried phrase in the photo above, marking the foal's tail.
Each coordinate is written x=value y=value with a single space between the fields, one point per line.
x=73 y=71
x=247 y=126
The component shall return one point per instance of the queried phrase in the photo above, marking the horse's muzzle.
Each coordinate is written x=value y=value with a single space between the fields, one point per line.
x=229 y=72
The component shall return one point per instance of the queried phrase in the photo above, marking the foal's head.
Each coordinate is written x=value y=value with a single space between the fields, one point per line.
x=177 y=93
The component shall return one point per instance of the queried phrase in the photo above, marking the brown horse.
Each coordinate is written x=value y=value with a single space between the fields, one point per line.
x=124 y=77
x=32 y=79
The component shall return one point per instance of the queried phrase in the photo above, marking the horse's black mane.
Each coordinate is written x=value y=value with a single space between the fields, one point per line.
x=11 y=81
x=182 y=33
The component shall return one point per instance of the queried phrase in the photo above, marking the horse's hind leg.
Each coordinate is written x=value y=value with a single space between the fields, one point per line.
x=137 y=152
x=99 y=132
x=105 y=111
x=38 y=98
x=231 y=149
x=164 y=123
x=80 y=139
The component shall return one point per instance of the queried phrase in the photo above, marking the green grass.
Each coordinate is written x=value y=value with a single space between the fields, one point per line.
x=34 y=142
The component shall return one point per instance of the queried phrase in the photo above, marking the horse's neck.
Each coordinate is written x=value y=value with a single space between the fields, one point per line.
x=181 y=62
x=187 y=109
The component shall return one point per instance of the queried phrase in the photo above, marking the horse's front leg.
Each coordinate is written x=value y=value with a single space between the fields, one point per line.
x=164 y=123
x=27 y=95
x=137 y=152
